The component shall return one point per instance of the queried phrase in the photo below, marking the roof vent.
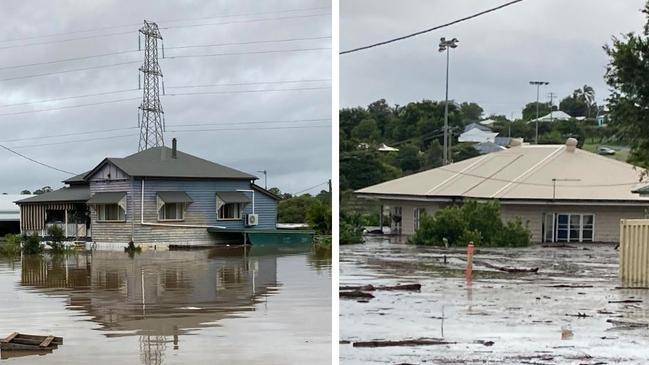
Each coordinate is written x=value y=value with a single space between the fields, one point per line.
x=516 y=142
x=174 y=150
x=571 y=144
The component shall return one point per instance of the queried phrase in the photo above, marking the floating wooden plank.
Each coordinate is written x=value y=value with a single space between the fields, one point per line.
x=22 y=342
x=46 y=342
x=10 y=337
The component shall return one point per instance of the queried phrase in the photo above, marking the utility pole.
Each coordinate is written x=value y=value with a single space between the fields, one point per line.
x=538 y=85
x=265 y=178
x=151 y=123
x=446 y=45
x=551 y=95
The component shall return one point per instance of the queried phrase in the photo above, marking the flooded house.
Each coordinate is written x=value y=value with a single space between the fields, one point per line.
x=560 y=192
x=158 y=196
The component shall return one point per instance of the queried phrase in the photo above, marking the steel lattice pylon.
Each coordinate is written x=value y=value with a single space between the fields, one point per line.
x=151 y=123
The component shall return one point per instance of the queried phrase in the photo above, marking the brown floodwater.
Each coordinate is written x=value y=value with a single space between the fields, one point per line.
x=262 y=306
x=567 y=313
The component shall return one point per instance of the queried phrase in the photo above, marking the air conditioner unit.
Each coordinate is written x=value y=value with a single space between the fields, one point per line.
x=252 y=219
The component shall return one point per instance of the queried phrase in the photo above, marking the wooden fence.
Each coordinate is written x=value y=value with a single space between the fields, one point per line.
x=634 y=252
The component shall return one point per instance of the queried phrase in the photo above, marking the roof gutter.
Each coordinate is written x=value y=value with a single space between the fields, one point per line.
x=142 y=222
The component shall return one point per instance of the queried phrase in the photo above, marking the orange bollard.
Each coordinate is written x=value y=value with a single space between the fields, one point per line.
x=470 y=249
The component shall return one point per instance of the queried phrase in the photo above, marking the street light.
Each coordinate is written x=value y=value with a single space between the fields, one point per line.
x=538 y=85
x=446 y=45
x=265 y=178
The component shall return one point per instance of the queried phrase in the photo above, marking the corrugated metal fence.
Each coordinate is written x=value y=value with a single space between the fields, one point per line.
x=634 y=252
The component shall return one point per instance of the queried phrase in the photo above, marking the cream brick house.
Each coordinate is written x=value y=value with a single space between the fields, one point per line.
x=561 y=193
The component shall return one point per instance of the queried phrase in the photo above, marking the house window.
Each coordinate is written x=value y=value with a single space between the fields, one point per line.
x=172 y=212
x=230 y=211
x=574 y=227
x=110 y=212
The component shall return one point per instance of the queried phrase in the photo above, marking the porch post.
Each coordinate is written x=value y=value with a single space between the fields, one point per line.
x=66 y=222
x=381 y=219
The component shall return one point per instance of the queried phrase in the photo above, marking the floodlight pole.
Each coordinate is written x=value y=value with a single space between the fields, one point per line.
x=446 y=45
x=538 y=85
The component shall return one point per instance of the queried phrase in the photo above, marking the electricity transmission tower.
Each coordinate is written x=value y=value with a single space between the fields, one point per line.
x=151 y=123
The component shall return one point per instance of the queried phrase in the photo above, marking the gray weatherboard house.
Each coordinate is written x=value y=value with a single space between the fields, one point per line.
x=159 y=196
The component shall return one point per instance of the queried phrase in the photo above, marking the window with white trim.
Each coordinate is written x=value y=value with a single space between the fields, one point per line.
x=574 y=227
x=172 y=212
x=230 y=211
x=110 y=213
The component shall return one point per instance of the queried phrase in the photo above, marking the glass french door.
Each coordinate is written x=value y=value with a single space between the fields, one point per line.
x=571 y=227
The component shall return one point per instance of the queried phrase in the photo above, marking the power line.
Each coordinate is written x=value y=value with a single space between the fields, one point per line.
x=67 y=60
x=68 y=107
x=68 y=98
x=251 y=42
x=247 y=91
x=245 y=21
x=249 y=52
x=172 y=131
x=70 y=70
x=170 y=57
x=168 y=87
x=249 y=129
x=177 y=47
x=66 y=40
x=35 y=161
x=248 y=83
x=313 y=187
x=178 y=124
x=248 y=122
x=430 y=29
x=165 y=21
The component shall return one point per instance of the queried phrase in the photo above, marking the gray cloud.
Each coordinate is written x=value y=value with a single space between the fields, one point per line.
x=553 y=40
x=295 y=158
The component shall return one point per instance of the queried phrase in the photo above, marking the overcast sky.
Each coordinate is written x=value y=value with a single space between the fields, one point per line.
x=499 y=53
x=296 y=158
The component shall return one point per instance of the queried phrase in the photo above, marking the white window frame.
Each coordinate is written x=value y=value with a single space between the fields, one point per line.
x=555 y=227
x=239 y=211
x=180 y=208
x=102 y=208
x=417 y=217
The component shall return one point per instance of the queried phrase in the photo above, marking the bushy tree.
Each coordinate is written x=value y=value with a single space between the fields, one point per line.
x=479 y=222
x=627 y=75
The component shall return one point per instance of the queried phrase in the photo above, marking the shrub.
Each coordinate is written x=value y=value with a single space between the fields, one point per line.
x=351 y=229
x=514 y=234
x=474 y=221
x=57 y=235
x=32 y=244
x=447 y=223
x=11 y=245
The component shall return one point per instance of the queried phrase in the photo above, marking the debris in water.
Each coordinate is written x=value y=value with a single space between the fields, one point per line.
x=415 y=342
x=354 y=294
x=370 y=287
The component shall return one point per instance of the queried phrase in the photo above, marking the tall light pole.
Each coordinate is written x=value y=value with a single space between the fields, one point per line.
x=538 y=85
x=446 y=45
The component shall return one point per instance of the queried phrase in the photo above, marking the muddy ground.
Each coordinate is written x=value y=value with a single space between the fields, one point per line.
x=564 y=314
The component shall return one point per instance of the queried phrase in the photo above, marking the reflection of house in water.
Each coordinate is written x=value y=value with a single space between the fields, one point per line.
x=156 y=295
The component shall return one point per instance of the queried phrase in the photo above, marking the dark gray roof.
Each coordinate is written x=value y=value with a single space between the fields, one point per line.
x=77 y=179
x=106 y=197
x=170 y=197
x=67 y=194
x=264 y=191
x=233 y=197
x=157 y=162
x=477 y=125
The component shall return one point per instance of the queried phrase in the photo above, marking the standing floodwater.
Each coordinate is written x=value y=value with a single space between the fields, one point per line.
x=262 y=306
x=571 y=312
